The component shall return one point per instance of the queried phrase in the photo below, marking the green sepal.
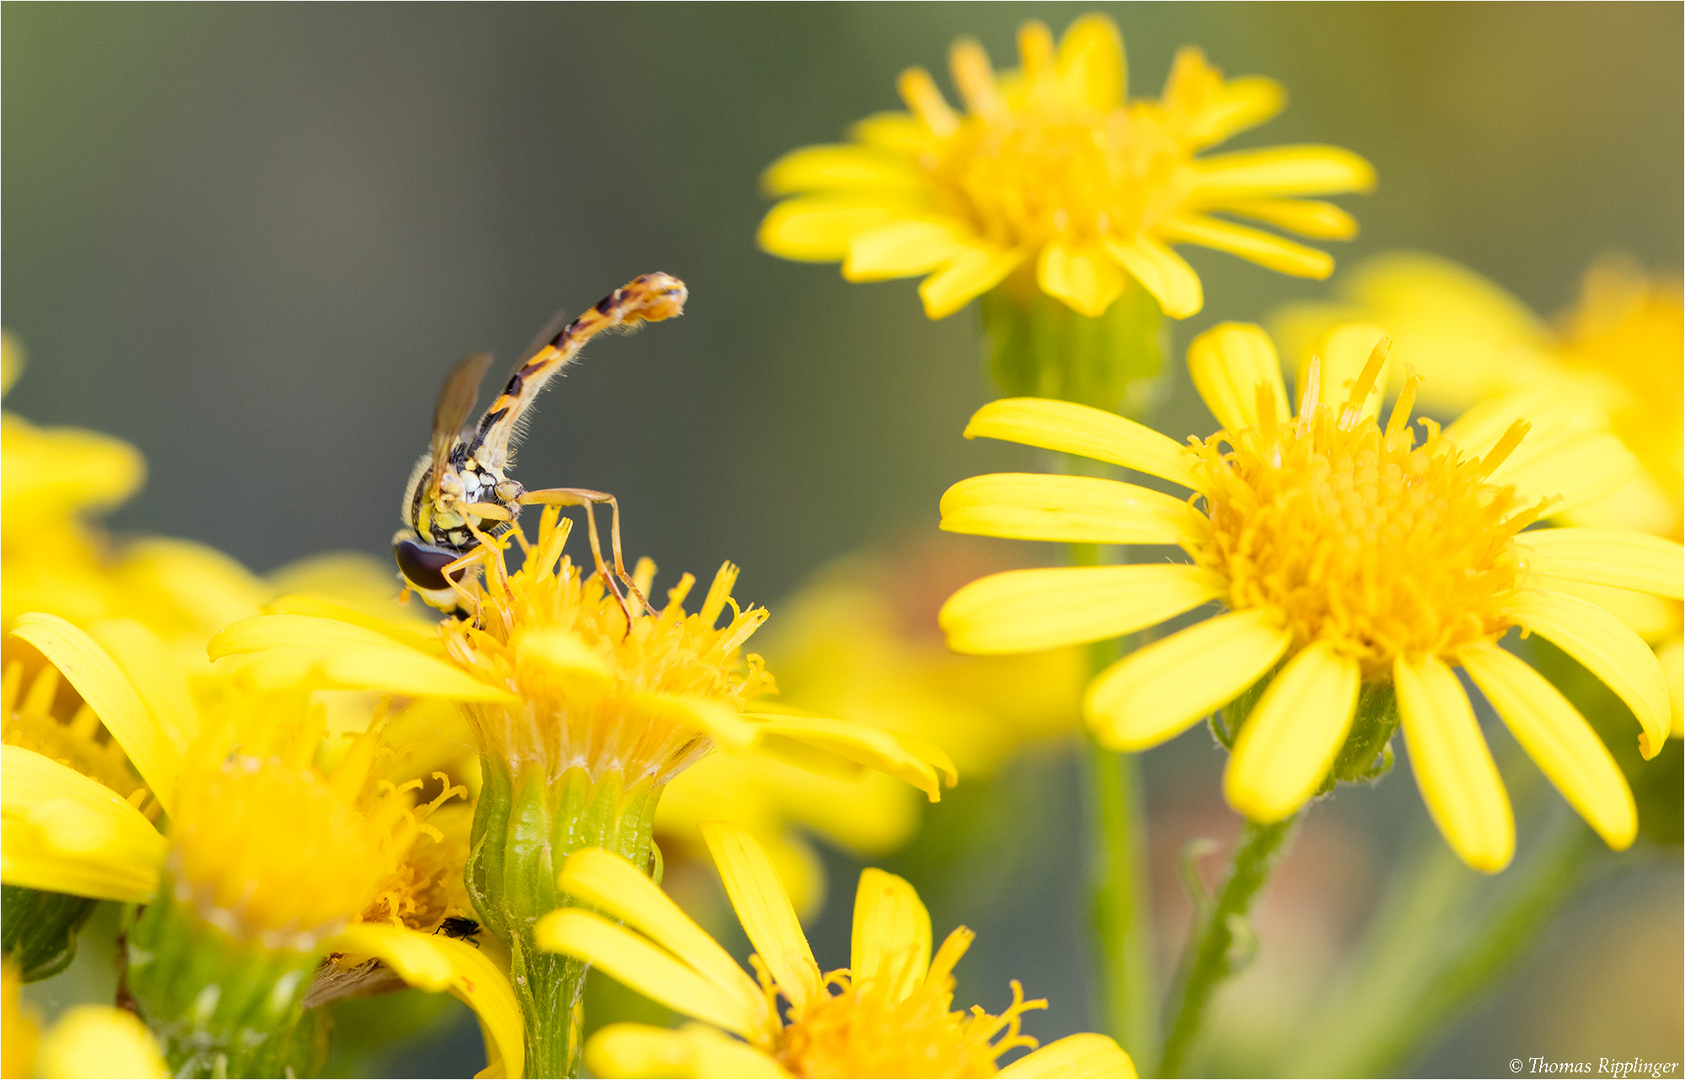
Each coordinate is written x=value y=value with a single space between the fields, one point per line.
x=1036 y=346
x=525 y=827
x=1367 y=753
x=221 y=1005
x=38 y=929
x=1227 y=721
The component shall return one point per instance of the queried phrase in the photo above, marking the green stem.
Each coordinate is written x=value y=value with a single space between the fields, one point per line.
x=525 y=826
x=1119 y=896
x=1220 y=943
x=1123 y=919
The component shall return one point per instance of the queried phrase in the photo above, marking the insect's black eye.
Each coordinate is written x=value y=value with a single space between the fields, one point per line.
x=423 y=566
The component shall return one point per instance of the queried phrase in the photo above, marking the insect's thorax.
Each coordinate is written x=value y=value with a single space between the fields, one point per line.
x=439 y=513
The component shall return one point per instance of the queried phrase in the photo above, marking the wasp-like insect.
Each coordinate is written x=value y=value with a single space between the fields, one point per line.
x=460 y=495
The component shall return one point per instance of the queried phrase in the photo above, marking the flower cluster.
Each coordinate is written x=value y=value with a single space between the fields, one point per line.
x=269 y=797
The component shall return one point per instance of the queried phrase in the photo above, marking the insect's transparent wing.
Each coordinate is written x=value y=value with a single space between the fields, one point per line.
x=544 y=337
x=456 y=401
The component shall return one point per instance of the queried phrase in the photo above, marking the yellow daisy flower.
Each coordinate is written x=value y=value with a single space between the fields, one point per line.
x=889 y=1013
x=266 y=854
x=87 y=1041
x=1051 y=179
x=1612 y=363
x=1350 y=559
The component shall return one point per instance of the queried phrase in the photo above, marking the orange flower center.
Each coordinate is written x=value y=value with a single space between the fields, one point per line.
x=864 y=1031
x=1359 y=537
x=1046 y=171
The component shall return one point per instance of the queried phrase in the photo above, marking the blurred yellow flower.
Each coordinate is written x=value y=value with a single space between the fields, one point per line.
x=263 y=844
x=888 y=1014
x=1614 y=363
x=88 y=1041
x=859 y=641
x=1051 y=179
x=1346 y=555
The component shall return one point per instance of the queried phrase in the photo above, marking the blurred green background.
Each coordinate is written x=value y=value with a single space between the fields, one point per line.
x=251 y=240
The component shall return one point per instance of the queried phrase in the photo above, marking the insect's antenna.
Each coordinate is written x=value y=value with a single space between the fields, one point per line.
x=649 y=298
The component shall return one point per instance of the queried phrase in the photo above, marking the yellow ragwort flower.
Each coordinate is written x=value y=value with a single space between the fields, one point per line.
x=1612 y=363
x=1051 y=178
x=888 y=1014
x=859 y=641
x=1345 y=554
x=263 y=844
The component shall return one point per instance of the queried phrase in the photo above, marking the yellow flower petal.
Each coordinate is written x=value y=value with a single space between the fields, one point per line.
x=926 y=102
x=1558 y=739
x=899 y=132
x=1085 y=431
x=1240 y=104
x=837 y=168
x=156 y=677
x=1084 y=277
x=1278 y=171
x=1157 y=692
x=112 y=696
x=1288 y=744
x=722 y=723
x=1265 y=249
x=903 y=249
x=1025 y=610
x=896 y=754
x=99 y=1040
x=1228 y=363
x=1075 y=509
x=1162 y=272
x=420 y=634
x=64 y=832
x=1626 y=560
x=973 y=272
x=639 y=1050
x=891 y=939
x=1671 y=656
x=1454 y=769
x=1568 y=454
x=1075 y=1057
x=634 y=962
x=1307 y=217
x=1650 y=617
x=1091 y=62
x=435 y=963
x=1609 y=650
x=818 y=228
x=338 y=655
x=614 y=885
x=764 y=909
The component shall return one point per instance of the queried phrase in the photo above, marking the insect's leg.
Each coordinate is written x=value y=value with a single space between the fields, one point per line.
x=456 y=573
x=588 y=498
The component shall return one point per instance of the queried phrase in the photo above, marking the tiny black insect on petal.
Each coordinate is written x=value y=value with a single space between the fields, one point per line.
x=455 y=926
